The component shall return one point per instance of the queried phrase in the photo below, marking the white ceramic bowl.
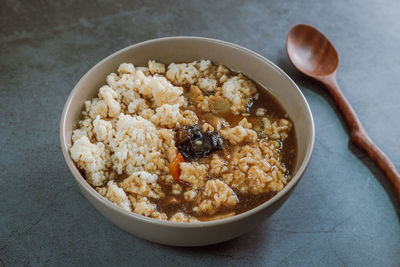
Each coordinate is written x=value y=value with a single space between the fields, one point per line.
x=187 y=49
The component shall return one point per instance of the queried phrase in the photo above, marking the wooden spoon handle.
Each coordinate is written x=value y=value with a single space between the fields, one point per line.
x=360 y=137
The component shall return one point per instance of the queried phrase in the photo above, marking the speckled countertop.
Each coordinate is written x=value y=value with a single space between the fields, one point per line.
x=342 y=213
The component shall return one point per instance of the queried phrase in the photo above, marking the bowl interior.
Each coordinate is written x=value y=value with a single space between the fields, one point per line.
x=187 y=49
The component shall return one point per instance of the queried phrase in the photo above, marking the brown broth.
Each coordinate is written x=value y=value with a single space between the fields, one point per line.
x=275 y=110
x=247 y=201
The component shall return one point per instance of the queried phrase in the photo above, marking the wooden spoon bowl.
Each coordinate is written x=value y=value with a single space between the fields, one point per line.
x=311 y=52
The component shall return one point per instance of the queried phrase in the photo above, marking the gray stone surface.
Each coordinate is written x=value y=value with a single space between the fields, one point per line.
x=343 y=212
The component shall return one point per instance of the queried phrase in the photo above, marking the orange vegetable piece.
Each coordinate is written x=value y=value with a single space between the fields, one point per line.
x=174 y=167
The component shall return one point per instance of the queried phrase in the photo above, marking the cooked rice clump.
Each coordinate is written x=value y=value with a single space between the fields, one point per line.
x=125 y=140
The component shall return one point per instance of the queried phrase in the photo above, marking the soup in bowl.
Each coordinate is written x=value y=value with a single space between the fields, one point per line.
x=186 y=140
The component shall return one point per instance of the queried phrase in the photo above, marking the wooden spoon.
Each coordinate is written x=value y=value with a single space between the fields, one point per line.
x=315 y=56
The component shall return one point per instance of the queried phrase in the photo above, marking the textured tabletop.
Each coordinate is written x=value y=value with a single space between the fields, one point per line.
x=342 y=213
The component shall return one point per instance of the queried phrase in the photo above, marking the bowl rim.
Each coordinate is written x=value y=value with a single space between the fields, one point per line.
x=81 y=181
